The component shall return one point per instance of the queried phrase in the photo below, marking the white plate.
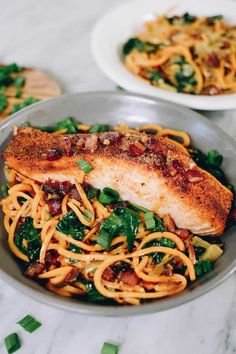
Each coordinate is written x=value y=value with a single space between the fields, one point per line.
x=114 y=29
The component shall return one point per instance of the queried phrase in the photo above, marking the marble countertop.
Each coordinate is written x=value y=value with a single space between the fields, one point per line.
x=55 y=36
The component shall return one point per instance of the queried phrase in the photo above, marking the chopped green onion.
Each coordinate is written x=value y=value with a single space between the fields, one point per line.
x=88 y=214
x=108 y=196
x=109 y=348
x=149 y=220
x=84 y=165
x=98 y=128
x=214 y=158
x=138 y=207
x=104 y=239
x=29 y=323
x=12 y=343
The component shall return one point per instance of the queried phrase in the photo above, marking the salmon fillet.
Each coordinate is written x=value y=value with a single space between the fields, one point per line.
x=144 y=169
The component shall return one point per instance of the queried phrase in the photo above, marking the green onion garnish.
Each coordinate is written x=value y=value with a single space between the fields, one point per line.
x=149 y=220
x=88 y=214
x=29 y=323
x=84 y=165
x=12 y=343
x=108 y=196
x=109 y=348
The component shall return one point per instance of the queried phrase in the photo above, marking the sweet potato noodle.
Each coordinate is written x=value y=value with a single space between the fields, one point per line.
x=56 y=229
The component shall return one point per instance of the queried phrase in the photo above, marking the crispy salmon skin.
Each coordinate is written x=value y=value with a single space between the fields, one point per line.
x=144 y=169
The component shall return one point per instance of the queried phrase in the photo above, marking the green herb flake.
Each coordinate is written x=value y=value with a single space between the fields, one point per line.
x=84 y=165
x=121 y=221
x=3 y=102
x=71 y=225
x=214 y=158
x=98 y=128
x=163 y=242
x=203 y=266
x=19 y=81
x=69 y=124
x=26 y=231
x=27 y=102
x=12 y=343
x=109 y=348
x=140 y=46
x=29 y=323
x=108 y=196
x=4 y=189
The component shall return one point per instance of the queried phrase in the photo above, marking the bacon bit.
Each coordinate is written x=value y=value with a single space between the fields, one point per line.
x=129 y=277
x=74 y=194
x=136 y=149
x=169 y=223
x=71 y=276
x=148 y=285
x=112 y=137
x=53 y=154
x=168 y=270
x=109 y=274
x=213 y=60
x=226 y=70
x=225 y=45
x=211 y=90
x=51 y=258
x=192 y=254
x=193 y=53
x=54 y=205
x=182 y=233
x=68 y=146
x=34 y=269
x=194 y=175
x=56 y=187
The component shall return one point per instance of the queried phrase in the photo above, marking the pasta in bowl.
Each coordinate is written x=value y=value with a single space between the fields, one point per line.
x=80 y=237
x=47 y=229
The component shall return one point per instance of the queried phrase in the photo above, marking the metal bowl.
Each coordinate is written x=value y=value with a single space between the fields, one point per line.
x=114 y=108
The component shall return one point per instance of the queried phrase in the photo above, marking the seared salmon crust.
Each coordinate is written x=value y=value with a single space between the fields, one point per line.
x=144 y=169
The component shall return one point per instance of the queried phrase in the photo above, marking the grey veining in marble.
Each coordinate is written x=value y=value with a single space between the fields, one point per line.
x=55 y=36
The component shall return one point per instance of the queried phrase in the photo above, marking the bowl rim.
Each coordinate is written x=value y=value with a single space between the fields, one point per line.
x=116 y=311
x=117 y=72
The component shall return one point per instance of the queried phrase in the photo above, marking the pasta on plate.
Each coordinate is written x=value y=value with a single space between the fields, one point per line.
x=188 y=54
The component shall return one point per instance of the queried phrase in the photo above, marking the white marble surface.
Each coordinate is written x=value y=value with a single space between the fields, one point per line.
x=55 y=35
